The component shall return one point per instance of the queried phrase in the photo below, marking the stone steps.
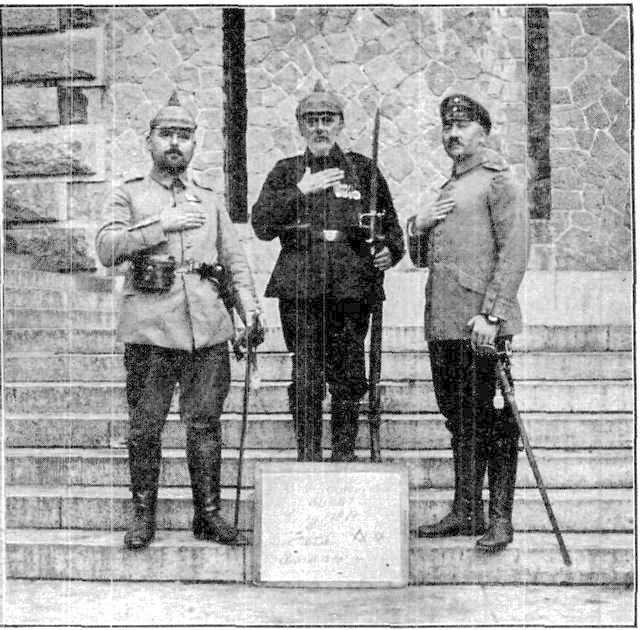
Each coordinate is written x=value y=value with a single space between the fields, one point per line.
x=274 y=431
x=73 y=335
x=560 y=468
x=548 y=366
x=108 y=507
x=271 y=397
x=176 y=555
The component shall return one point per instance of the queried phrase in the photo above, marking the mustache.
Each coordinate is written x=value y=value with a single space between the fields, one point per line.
x=173 y=152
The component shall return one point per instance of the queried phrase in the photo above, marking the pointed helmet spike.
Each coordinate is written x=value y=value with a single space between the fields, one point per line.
x=174 y=101
x=319 y=101
x=173 y=115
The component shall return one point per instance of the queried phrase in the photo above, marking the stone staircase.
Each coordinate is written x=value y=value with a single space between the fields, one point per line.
x=66 y=473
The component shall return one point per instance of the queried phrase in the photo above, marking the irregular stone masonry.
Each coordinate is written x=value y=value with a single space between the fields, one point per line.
x=590 y=225
x=402 y=59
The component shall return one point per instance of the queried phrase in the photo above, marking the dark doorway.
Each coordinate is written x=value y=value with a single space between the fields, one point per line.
x=235 y=114
x=538 y=111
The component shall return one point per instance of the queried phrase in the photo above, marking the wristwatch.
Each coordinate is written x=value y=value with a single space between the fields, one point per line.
x=492 y=319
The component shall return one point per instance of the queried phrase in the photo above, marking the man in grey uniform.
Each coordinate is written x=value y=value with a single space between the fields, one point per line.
x=173 y=322
x=473 y=239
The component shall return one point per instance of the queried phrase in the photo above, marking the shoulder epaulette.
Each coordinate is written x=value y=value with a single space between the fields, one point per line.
x=132 y=178
x=202 y=180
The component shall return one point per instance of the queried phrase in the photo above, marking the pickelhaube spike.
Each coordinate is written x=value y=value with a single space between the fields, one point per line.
x=320 y=101
x=173 y=114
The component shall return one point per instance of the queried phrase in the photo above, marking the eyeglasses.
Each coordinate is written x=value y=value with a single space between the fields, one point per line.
x=313 y=120
x=181 y=132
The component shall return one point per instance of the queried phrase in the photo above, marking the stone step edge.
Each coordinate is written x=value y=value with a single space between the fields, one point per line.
x=271 y=383
x=288 y=454
x=427 y=416
x=229 y=492
x=583 y=547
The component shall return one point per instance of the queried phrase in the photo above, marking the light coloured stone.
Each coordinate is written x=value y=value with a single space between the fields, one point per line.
x=29 y=20
x=596 y=116
x=47 y=199
x=343 y=47
x=281 y=33
x=563 y=71
x=347 y=80
x=397 y=162
x=299 y=54
x=72 y=55
x=30 y=107
x=567 y=116
x=70 y=151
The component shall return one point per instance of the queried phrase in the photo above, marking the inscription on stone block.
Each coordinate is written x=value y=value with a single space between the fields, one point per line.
x=331 y=525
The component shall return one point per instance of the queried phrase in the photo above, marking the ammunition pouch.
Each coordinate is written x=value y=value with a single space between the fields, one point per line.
x=153 y=273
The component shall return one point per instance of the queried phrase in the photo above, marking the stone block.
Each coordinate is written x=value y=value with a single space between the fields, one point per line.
x=607 y=151
x=439 y=78
x=584 y=138
x=343 y=46
x=560 y=96
x=52 y=248
x=617 y=36
x=597 y=19
x=29 y=20
x=72 y=55
x=567 y=116
x=384 y=73
x=45 y=200
x=596 y=116
x=30 y=107
x=71 y=151
x=620 y=80
x=621 y=129
x=564 y=71
x=587 y=88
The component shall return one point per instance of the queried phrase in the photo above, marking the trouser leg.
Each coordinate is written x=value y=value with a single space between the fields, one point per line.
x=151 y=378
x=464 y=388
x=303 y=329
x=347 y=325
x=204 y=385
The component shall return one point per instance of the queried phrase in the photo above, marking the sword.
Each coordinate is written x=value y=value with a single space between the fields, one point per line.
x=254 y=338
x=506 y=385
x=369 y=220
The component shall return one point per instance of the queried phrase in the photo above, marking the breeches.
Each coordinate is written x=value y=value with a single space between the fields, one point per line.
x=152 y=374
x=465 y=385
x=326 y=338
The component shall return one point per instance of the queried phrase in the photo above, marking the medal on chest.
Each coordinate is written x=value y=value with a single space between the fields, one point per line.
x=346 y=191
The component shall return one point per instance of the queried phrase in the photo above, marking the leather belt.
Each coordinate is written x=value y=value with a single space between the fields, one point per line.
x=188 y=266
x=331 y=236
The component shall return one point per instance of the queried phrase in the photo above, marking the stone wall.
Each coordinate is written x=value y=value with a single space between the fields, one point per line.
x=53 y=83
x=81 y=84
x=590 y=227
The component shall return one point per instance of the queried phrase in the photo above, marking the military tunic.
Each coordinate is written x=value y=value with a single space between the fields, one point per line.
x=477 y=255
x=191 y=314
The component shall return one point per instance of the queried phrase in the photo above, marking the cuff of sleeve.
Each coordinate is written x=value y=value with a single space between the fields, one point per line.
x=411 y=226
x=149 y=233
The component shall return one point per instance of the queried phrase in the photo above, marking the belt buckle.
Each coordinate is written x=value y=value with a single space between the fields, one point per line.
x=330 y=235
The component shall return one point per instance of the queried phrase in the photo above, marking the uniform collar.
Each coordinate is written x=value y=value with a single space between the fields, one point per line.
x=461 y=167
x=166 y=179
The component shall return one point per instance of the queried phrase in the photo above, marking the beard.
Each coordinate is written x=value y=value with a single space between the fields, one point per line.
x=173 y=162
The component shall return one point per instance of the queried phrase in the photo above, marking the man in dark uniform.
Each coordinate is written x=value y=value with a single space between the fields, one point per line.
x=326 y=278
x=473 y=239
x=173 y=322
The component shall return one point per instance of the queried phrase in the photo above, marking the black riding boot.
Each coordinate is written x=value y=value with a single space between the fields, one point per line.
x=344 y=429
x=466 y=517
x=503 y=465
x=144 y=467
x=204 y=461
x=308 y=419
